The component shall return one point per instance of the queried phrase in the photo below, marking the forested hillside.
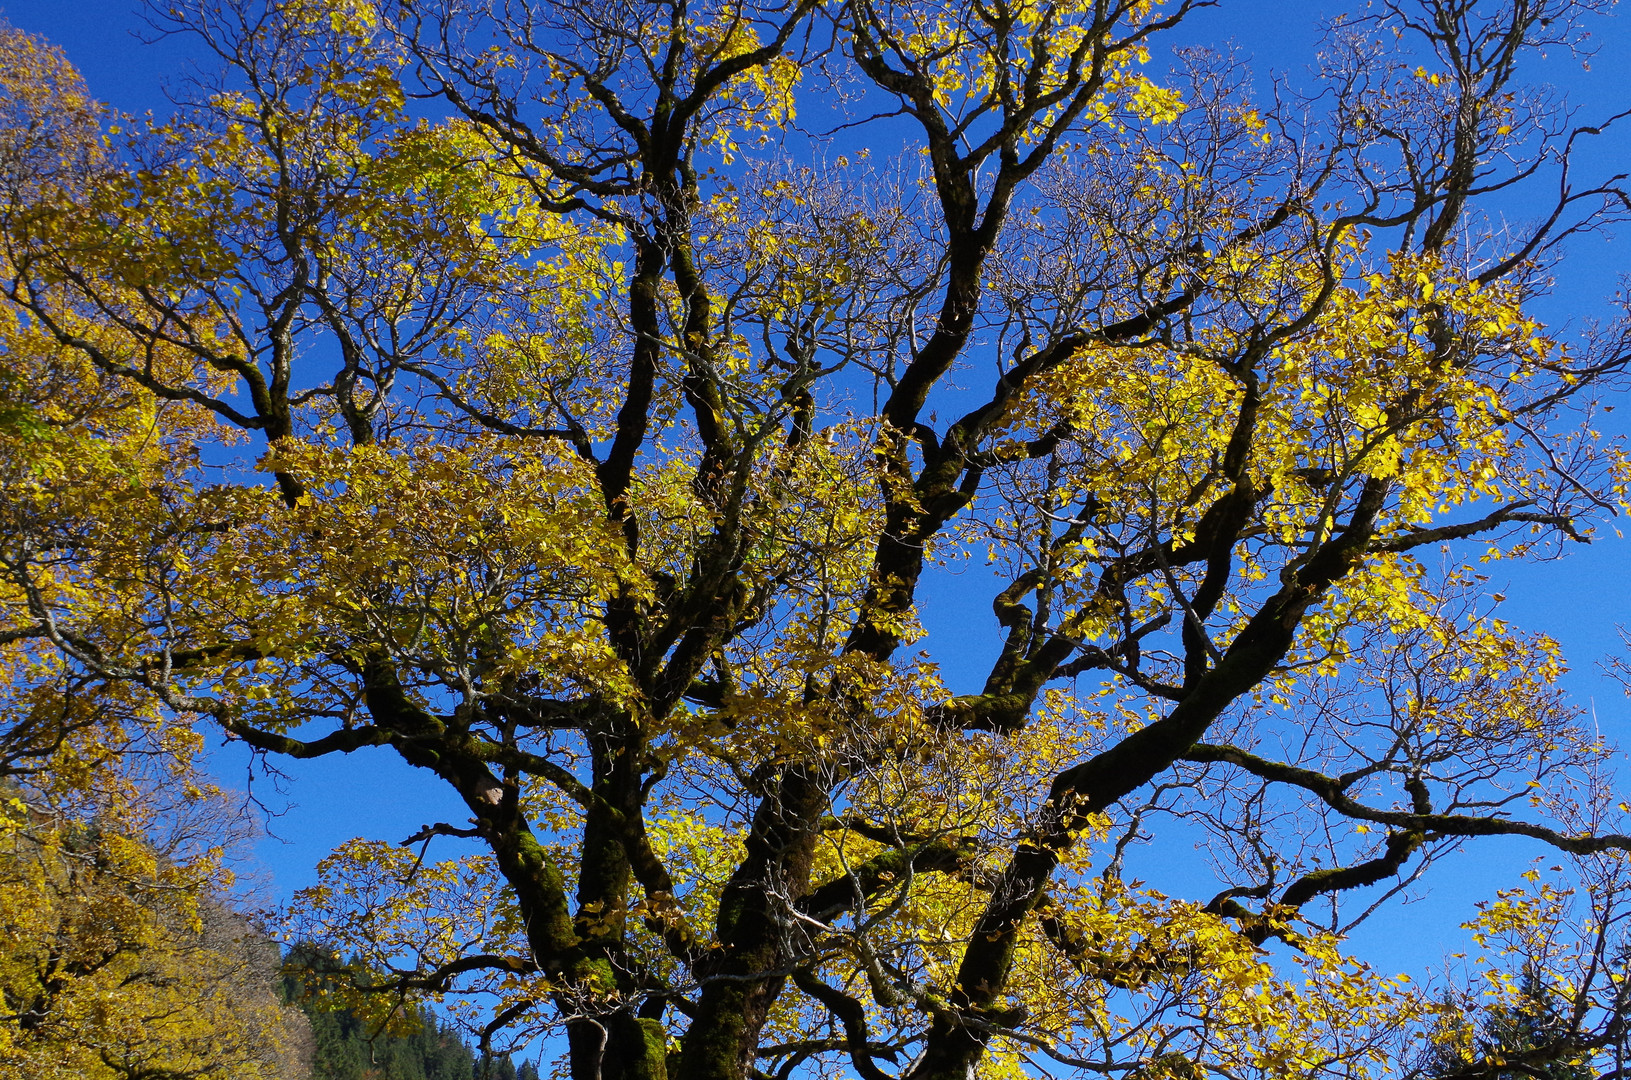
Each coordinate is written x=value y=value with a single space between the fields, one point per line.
x=410 y=1043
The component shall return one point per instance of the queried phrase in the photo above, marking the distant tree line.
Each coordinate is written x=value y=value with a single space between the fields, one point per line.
x=413 y=1044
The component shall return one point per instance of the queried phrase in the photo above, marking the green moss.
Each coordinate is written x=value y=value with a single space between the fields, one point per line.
x=653 y=1043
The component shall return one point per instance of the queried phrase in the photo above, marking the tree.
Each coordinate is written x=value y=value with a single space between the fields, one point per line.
x=1528 y=1036
x=118 y=960
x=74 y=445
x=622 y=443
x=119 y=957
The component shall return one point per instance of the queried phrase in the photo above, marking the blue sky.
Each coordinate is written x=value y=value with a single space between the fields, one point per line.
x=1578 y=600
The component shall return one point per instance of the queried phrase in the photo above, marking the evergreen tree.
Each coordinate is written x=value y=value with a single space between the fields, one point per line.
x=496 y=1067
x=351 y=1046
x=1527 y=1039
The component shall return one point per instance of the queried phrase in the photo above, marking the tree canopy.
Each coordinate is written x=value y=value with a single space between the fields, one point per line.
x=617 y=409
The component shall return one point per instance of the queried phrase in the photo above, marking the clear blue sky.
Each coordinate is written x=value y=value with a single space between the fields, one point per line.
x=1579 y=601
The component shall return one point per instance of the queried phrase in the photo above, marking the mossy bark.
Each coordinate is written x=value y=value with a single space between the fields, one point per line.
x=739 y=988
